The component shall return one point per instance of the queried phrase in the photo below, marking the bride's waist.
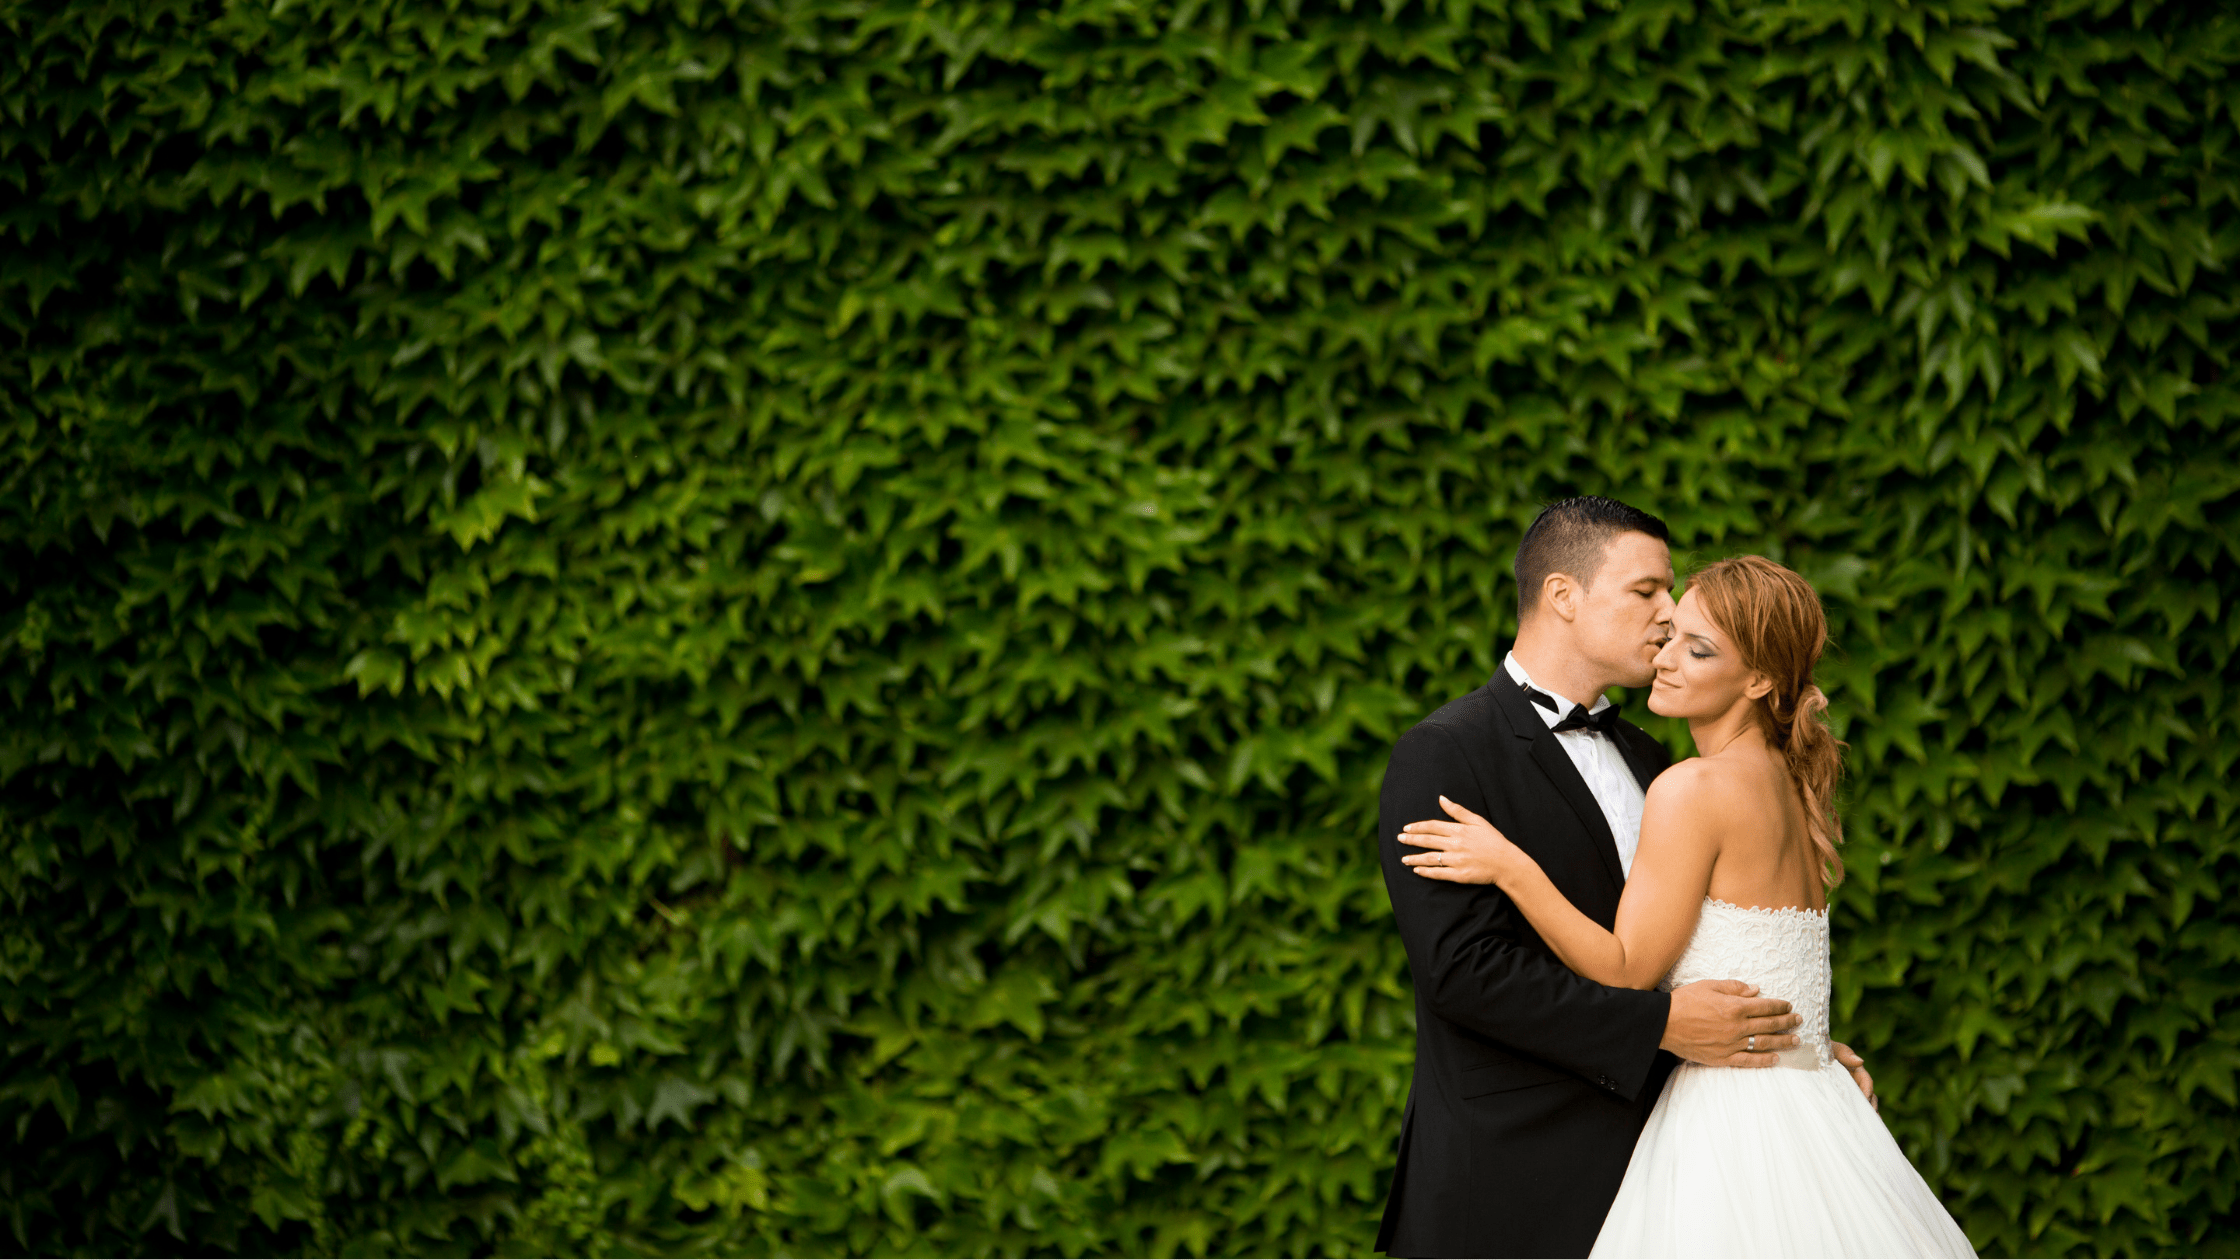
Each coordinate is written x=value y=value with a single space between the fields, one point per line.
x=1808 y=1055
x=1811 y=1050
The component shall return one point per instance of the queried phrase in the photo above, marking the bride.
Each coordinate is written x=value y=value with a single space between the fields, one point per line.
x=1738 y=849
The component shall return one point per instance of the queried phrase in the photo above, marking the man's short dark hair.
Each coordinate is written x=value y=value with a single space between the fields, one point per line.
x=1570 y=537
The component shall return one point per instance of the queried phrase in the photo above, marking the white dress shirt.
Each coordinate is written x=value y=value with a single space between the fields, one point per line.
x=1600 y=764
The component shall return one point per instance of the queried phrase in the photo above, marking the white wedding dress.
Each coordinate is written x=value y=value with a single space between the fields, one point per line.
x=1783 y=1161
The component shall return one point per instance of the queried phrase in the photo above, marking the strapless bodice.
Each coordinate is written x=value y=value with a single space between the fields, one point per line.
x=1783 y=952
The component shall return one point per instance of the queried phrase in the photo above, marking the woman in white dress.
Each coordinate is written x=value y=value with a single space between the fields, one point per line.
x=1738 y=850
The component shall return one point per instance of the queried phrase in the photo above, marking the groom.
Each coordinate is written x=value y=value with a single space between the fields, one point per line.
x=1531 y=1084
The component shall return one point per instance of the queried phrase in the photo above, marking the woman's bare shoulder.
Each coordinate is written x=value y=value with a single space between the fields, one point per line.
x=1703 y=781
x=1683 y=780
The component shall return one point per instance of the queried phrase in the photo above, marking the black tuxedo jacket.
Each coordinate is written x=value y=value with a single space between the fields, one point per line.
x=1531 y=1084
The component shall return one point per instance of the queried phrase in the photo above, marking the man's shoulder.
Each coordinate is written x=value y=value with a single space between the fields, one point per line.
x=1474 y=707
x=1643 y=743
x=1471 y=715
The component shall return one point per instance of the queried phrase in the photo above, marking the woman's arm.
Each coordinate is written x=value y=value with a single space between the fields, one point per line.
x=1663 y=896
x=1469 y=967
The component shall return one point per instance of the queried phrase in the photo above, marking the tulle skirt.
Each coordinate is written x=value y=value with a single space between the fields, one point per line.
x=1772 y=1162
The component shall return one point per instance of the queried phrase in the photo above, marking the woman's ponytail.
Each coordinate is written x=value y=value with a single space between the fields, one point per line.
x=1815 y=759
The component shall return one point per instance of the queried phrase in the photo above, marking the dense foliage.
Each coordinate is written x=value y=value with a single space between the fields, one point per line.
x=772 y=626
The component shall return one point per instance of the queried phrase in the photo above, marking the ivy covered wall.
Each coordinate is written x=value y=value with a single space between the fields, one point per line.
x=771 y=626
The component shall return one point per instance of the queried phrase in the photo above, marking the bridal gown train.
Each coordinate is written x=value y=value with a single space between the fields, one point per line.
x=1784 y=1161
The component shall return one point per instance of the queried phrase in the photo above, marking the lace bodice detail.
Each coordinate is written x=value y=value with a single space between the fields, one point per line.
x=1783 y=952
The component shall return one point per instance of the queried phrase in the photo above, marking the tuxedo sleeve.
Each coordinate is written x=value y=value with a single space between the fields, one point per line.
x=1464 y=949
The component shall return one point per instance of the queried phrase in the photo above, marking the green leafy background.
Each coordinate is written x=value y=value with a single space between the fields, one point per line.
x=771 y=627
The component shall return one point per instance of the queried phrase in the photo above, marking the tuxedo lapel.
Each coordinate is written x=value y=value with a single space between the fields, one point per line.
x=1635 y=744
x=1562 y=774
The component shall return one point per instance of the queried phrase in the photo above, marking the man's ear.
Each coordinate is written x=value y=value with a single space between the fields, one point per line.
x=1559 y=594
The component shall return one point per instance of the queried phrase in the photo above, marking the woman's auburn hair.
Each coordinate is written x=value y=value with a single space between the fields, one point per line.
x=1774 y=618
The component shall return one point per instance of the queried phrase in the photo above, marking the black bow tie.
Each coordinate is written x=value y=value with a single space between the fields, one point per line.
x=1578 y=719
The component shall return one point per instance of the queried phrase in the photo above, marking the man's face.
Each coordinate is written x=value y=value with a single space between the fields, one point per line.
x=1625 y=615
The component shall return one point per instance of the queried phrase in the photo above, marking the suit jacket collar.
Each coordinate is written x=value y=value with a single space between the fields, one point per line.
x=1634 y=744
x=1546 y=753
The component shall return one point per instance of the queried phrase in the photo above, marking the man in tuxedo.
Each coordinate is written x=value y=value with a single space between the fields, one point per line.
x=1532 y=1084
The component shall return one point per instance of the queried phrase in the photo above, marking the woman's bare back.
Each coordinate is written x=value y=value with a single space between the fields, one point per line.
x=1765 y=858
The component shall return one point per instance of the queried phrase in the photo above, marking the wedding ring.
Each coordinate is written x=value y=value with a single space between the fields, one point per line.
x=1753 y=1043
